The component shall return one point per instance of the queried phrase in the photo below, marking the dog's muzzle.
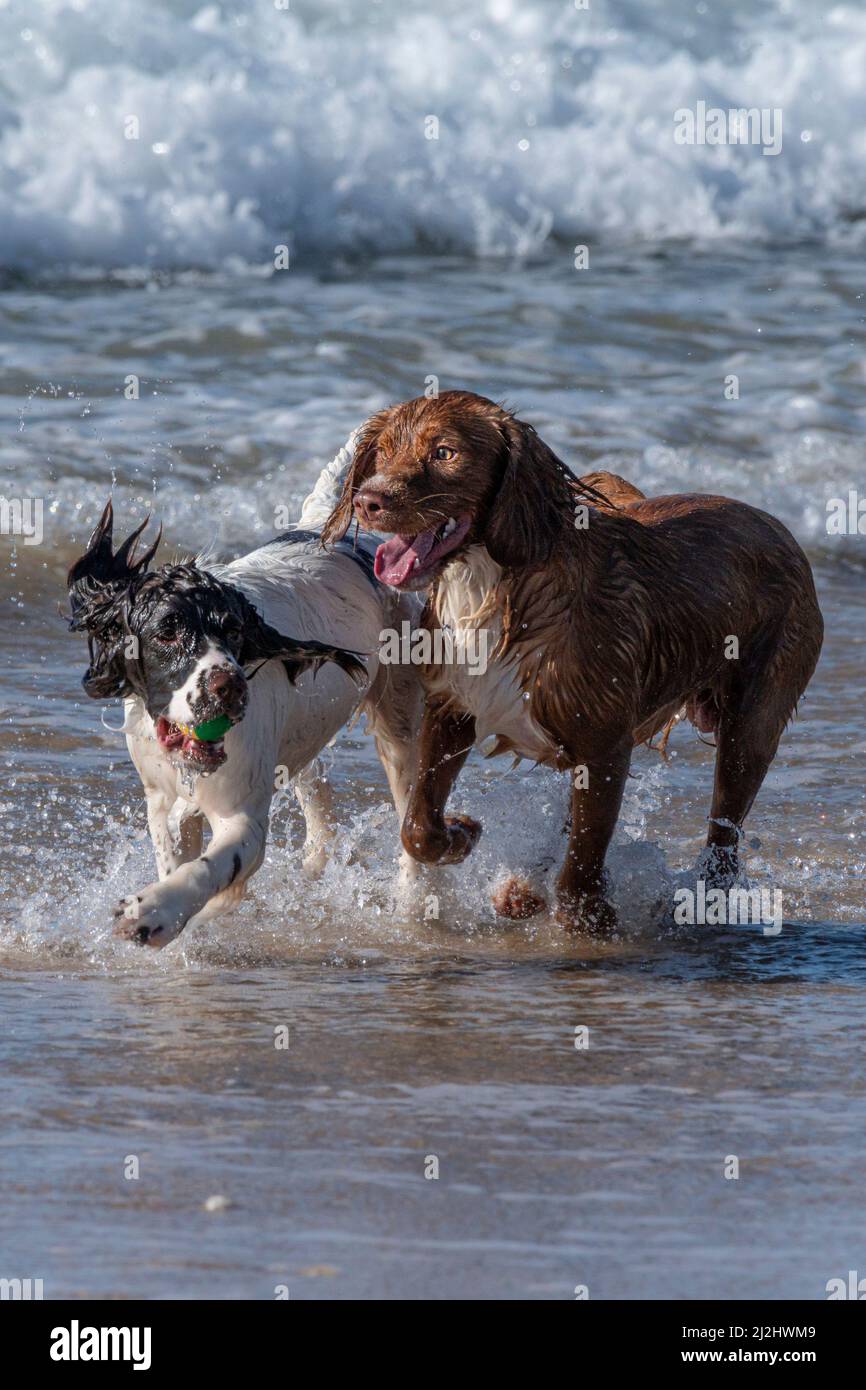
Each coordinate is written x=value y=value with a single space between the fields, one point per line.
x=224 y=695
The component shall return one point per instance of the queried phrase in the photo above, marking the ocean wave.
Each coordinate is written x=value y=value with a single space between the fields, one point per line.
x=802 y=483
x=181 y=135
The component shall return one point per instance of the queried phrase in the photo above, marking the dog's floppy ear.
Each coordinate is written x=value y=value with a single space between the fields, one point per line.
x=100 y=569
x=532 y=498
x=106 y=677
x=361 y=467
x=264 y=643
x=98 y=584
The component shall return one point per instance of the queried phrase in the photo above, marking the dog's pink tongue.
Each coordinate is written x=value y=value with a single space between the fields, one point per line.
x=395 y=560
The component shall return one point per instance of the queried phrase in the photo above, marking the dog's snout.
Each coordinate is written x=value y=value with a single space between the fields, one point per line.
x=369 y=505
x=227 y=686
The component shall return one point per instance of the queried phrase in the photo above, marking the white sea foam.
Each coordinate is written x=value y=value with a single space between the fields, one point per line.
x=305 y=126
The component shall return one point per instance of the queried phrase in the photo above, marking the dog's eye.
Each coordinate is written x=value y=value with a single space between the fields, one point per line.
x=168 y=631
x=443 y=453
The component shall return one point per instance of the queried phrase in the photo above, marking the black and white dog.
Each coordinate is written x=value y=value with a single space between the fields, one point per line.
x=272 y=642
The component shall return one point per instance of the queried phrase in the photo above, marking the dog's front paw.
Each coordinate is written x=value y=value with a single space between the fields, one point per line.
x=462 y=835
x=720 y=866
x=314 y=859
x=450 y=843
x=590 y=914
x=517 y=900
x=146 y=919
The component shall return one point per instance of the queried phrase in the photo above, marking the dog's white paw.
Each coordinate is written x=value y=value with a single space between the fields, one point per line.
x=421 y=891
x=314 y=859
x=150 y=918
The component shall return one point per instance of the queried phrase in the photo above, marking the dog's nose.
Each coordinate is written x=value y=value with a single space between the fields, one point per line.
x=227 y=686
x=368 y=505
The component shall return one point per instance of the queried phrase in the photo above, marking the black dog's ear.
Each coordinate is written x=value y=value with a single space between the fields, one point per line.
x=98 y=584
x=99 y=568
x=105 y=677
x=263 y=643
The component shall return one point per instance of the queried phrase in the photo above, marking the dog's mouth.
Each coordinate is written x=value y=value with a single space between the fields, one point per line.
x=179 y=740
x=411 y=562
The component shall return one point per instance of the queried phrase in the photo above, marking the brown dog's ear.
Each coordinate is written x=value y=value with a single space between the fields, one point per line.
x=101 y=569
x=340 y=519
x=532 y=502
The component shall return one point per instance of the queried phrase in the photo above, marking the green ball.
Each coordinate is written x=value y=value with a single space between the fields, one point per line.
x=212 y=729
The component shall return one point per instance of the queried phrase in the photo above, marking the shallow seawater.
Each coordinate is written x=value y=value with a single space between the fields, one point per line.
x=452 y=1038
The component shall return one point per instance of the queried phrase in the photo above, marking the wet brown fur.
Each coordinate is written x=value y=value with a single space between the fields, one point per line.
x=616 y=624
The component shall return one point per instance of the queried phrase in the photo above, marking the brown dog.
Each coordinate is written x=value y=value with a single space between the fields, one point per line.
x=609 y=613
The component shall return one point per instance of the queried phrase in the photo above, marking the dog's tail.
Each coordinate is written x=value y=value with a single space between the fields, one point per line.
x=329 y=488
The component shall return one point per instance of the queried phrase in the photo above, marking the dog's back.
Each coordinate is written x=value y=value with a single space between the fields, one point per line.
x=300 y=587
x=321 y=591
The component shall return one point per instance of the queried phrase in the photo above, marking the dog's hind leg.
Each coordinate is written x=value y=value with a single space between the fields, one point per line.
x=394 y=707
x=175 y=832
x=759 y=700
x=313 y=791
x=190 y=832
x=747 y=742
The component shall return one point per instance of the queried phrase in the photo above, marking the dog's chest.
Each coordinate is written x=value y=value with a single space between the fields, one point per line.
x=467 y=622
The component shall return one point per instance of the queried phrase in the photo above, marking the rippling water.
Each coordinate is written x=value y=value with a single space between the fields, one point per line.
x=558 y=1166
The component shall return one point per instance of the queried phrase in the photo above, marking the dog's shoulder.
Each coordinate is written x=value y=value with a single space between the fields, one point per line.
x=315 y=592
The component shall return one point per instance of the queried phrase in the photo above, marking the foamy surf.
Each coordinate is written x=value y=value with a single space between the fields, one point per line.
x=358 y=911
x=156 y=136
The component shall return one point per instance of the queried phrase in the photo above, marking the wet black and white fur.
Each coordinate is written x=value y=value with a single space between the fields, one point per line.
x=272 y=640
